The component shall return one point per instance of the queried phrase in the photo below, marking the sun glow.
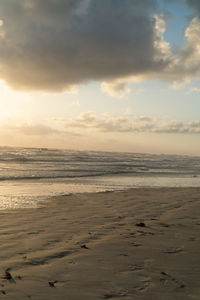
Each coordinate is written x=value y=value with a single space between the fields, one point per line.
x=11 y=102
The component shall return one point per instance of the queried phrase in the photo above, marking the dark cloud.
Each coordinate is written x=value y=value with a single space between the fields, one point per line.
x=55 y=44
x=195 y=4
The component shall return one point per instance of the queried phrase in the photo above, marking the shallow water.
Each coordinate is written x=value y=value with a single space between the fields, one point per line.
x=31 y=176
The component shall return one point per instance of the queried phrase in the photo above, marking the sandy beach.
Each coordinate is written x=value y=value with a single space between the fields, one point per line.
x=133 y=244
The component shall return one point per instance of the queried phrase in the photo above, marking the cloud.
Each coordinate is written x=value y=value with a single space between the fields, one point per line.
x=172 y=126
x=34 y=129
x=31 y=129
x=37 y=129
x=132 y=124
x=90 y=123
x=195 y=4
x=184 y=64
x=194 y=124
x=117 y=88
x=194 y=89
x=56 y=45
x=120 y=88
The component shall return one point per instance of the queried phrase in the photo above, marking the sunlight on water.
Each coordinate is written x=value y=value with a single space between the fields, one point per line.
x=28 y=177
x=26 y=195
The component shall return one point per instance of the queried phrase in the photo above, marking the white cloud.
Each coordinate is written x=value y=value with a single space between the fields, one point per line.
x=186 y=64
x=31 y=129
x=177 y=85
x=162 y=48
x=194 y=124
x=133 y=124
x=118 y=88
x=89 y=124
x=107 y=114
x=195 y=89
x=34 y=129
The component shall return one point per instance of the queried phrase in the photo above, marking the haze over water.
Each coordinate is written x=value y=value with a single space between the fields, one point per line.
x=30 y=176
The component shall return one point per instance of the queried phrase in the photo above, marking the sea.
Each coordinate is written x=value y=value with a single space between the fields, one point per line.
x=30 y=176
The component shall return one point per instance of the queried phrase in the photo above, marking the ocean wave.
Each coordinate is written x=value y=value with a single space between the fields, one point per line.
x=36 y=164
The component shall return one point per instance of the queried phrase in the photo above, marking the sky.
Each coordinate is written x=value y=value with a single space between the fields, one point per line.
x=109 y=75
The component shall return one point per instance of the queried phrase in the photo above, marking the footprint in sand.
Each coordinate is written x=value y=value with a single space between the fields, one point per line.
x=174 y=250
x=192 y=239
x=3 y=292
x=167 y=279
x=136 y=244
x=143 y=284
x=120 y=294
x=137 y=267
x=130 y=269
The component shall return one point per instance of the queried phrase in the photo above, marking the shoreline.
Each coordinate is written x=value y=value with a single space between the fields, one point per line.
x=27 y=193
x=140 y=243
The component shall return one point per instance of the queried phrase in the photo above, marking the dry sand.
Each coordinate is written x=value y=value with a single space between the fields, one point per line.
x=117 y=260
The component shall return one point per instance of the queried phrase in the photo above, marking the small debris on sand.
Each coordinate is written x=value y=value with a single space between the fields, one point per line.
x=163 y=273
x=52 y=284
x=3 y=292
x=7 y=275
x=84 y=247
x=108 y=296
x=141 y=224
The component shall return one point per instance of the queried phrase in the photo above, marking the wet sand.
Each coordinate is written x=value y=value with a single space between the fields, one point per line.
x=134 y=244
